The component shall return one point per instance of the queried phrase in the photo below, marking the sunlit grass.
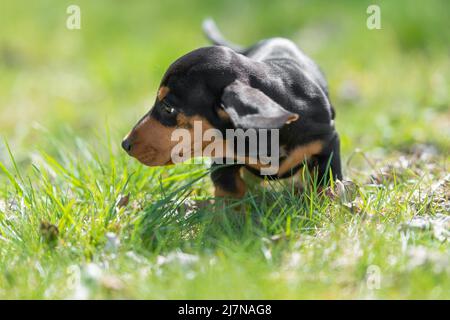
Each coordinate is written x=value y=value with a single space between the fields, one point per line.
x=170 y=237
x=80 y=219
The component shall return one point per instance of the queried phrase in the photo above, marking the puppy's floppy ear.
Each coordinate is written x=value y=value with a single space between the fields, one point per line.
x=251 y=108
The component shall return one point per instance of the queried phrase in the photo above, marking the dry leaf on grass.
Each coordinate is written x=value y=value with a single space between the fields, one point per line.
x=123 y=200
x=49 y=232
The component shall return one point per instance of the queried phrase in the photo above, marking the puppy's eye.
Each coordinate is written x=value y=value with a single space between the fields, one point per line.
x=168 y=109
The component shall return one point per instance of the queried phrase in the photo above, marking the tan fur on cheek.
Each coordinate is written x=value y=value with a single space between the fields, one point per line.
x=184 y=121
x=300 y=154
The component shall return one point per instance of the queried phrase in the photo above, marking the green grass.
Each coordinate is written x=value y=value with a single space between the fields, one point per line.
x=68 y=97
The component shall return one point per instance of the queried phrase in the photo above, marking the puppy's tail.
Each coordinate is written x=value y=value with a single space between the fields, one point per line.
x=213 y=34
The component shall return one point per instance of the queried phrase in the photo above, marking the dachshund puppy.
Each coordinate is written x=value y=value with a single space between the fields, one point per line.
x=271 y=85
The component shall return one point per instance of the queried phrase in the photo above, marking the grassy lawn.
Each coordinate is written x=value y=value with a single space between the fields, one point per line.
x=81 y=219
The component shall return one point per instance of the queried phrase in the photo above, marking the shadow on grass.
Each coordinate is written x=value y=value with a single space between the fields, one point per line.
x=275 y=211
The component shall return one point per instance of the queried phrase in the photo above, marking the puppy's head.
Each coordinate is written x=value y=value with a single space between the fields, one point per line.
x=208 y=85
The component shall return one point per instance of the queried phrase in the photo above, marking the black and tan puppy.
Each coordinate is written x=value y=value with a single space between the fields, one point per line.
x=269 y=85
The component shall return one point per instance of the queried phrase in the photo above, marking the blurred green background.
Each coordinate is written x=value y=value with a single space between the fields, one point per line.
x=390 y=86
x=67 y=97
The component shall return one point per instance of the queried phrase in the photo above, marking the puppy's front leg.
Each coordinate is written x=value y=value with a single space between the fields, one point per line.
x=227 y=181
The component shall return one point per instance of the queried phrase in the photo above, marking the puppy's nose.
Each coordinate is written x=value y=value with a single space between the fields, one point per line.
x=126 y=145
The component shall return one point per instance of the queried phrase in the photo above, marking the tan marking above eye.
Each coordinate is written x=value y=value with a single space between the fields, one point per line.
x=299 y=154
x=162 y=92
